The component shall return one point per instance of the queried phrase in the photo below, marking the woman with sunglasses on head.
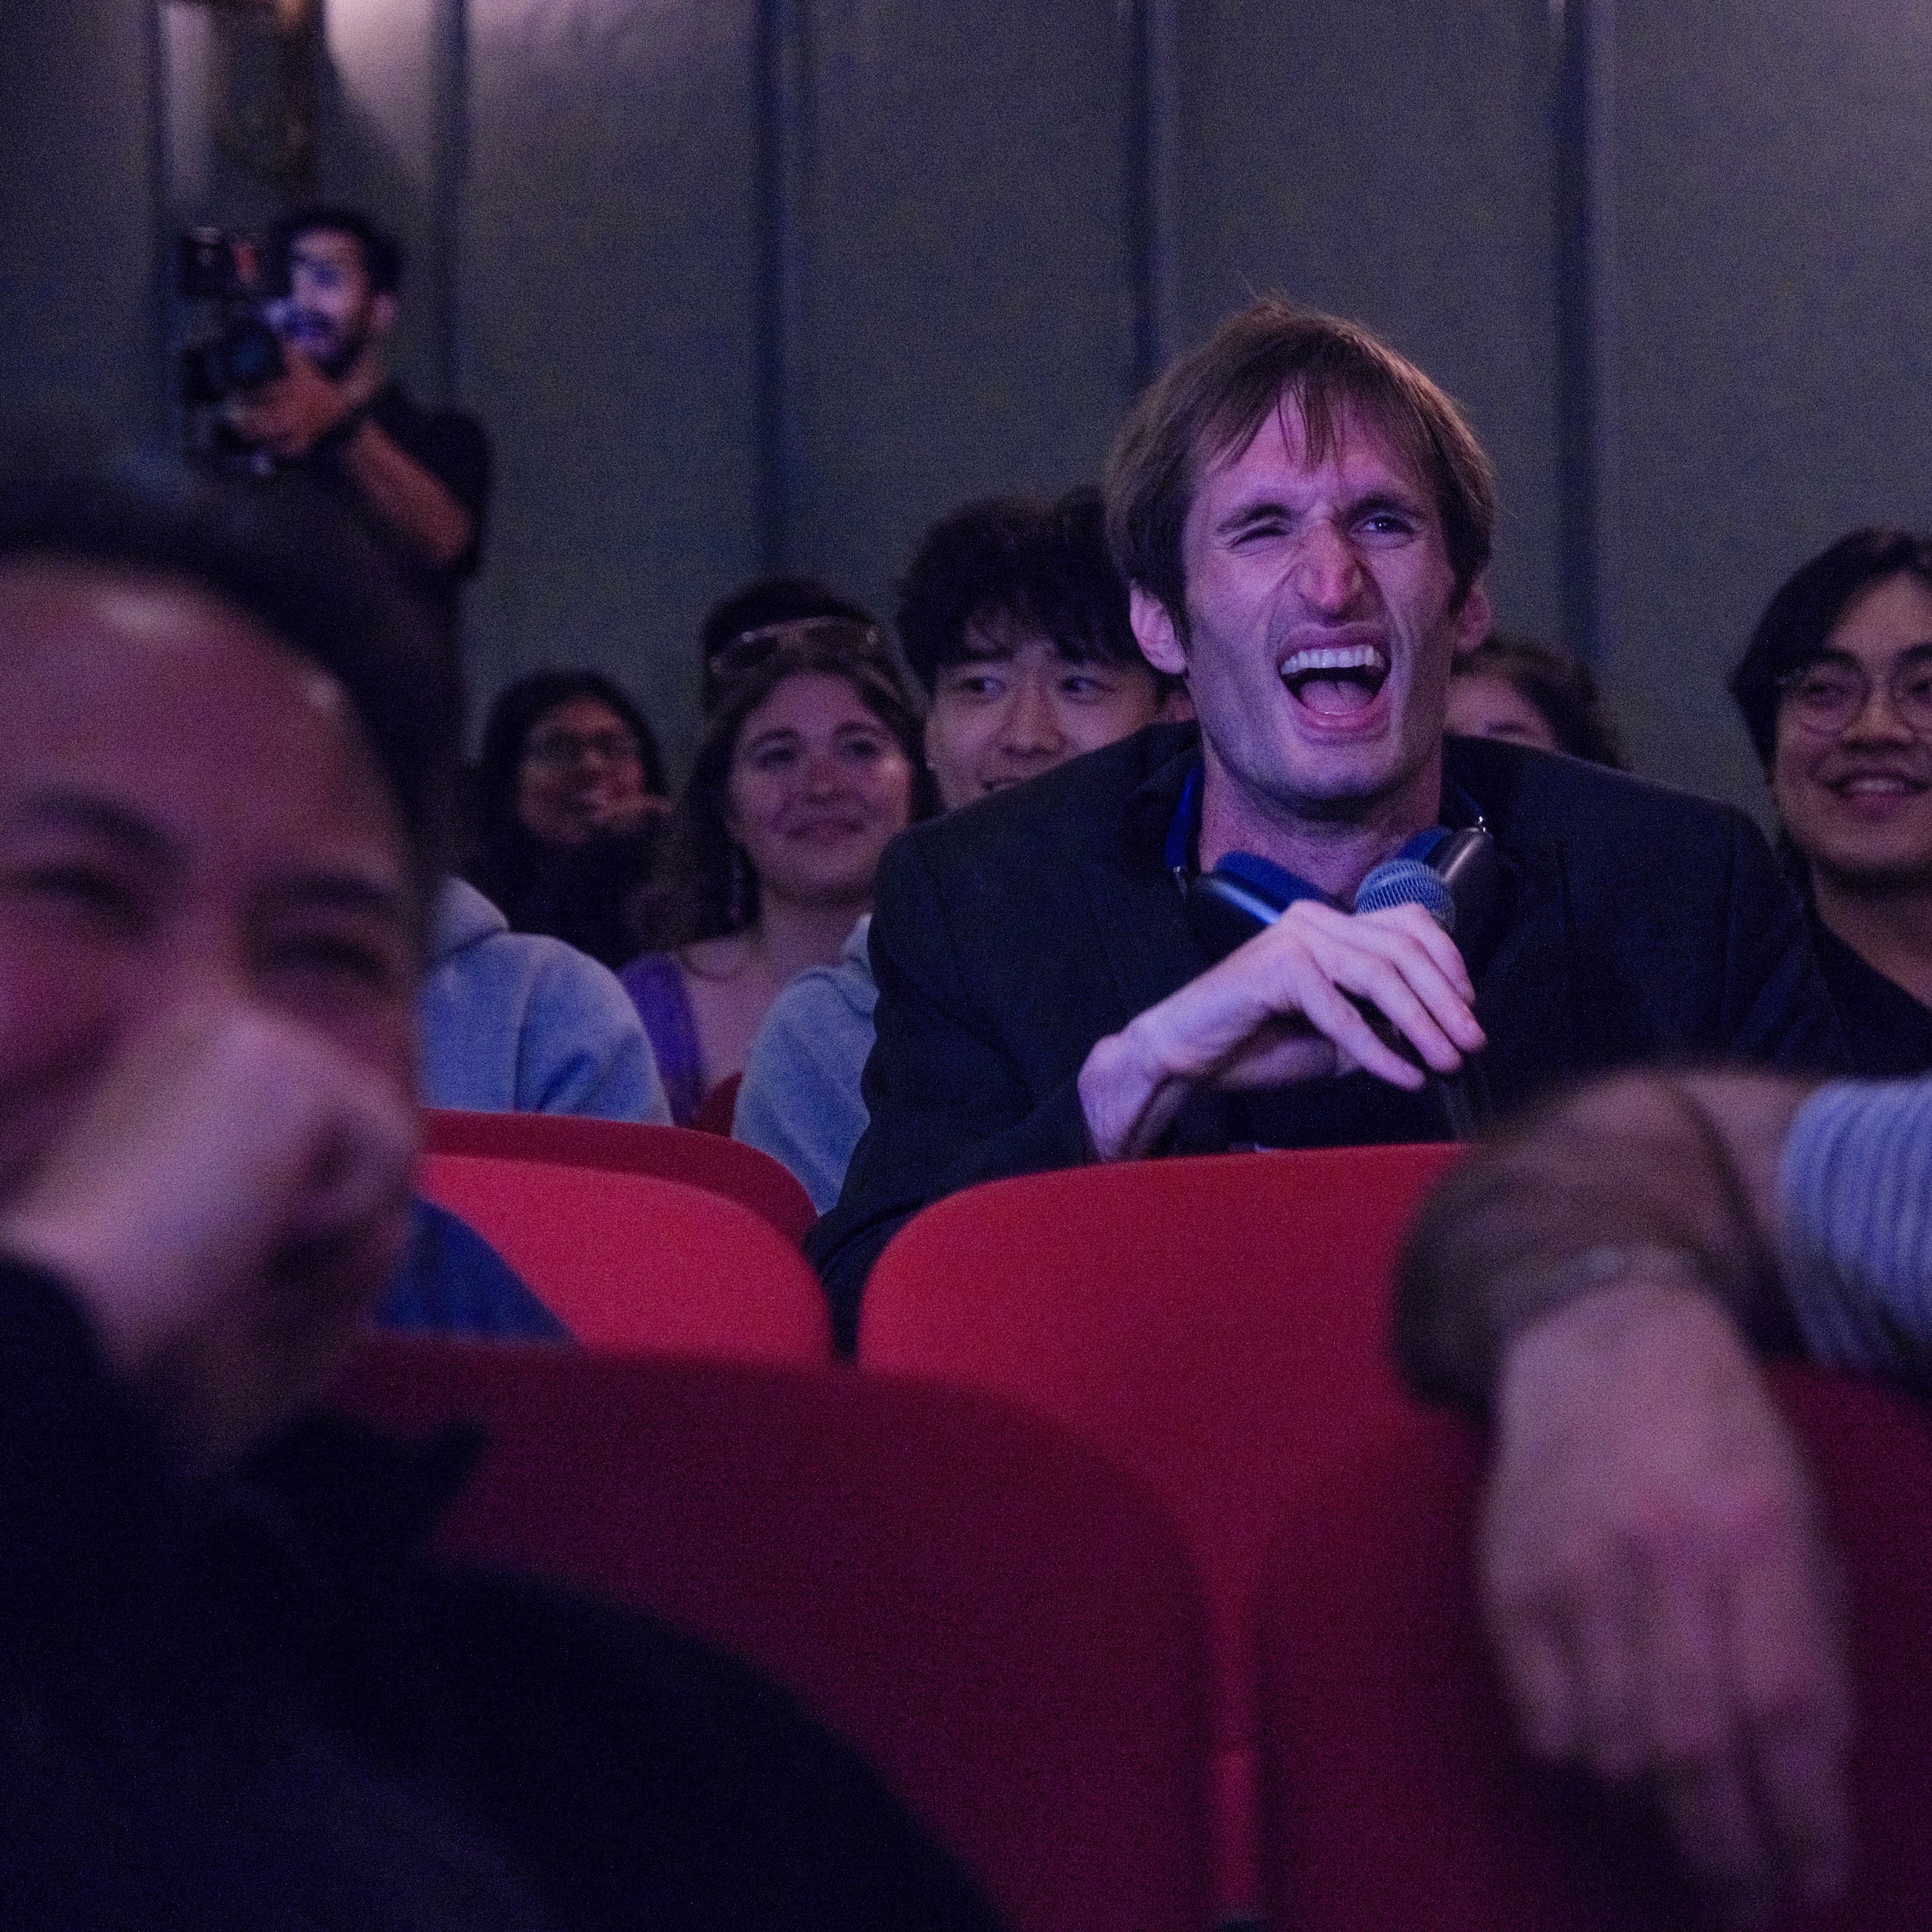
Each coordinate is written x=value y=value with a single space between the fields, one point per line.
x=808 y=766
x=570 y=809
x=1837 y=691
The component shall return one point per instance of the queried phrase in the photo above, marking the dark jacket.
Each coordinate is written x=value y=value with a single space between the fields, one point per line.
x=246 y=1703
x=1008 y=938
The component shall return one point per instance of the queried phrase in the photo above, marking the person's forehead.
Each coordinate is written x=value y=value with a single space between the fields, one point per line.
x=332 y=248
x=1893 y=615
x=807 y=701
x=160 y=691
x=582 y=710
x=995 y=632
x=1359 y=447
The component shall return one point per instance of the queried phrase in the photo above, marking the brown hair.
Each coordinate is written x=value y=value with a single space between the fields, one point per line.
x=1212 y=402
x=1562 y=688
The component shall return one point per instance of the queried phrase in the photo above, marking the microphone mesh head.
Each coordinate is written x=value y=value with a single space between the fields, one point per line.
x=1408 y=882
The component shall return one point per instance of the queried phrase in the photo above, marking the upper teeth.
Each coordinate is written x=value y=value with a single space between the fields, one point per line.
x=1352 y=657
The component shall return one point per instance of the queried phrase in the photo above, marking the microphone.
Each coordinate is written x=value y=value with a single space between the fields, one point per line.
x=1409 y=882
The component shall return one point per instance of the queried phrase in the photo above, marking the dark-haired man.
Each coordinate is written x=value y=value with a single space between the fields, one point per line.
x=1304 y=520
x=230 y=1694
x=418 y=478
x=1015 y=620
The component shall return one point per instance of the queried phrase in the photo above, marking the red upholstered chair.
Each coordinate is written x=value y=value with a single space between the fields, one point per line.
x=742 y=1173
x=1006 y=1626
x=1220 y=1326
x=631 y=1261
x=1395 y=1795
x=719 y=1108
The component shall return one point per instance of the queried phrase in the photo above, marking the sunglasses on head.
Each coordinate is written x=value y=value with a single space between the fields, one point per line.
x=750 y=648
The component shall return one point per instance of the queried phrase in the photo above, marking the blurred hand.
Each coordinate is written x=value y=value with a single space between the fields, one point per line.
x=233 y=1196
x=1277 y=1009
x=290 y=415
x=1658 y=1590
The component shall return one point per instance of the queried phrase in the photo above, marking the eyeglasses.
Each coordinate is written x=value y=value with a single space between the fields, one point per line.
x=1826 y=695
x=750 y=648
x=571 y=748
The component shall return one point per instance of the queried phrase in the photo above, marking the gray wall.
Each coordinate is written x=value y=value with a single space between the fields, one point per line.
x=1769 y=327
x=775 y=281
x=609 y=317
x=79 y=163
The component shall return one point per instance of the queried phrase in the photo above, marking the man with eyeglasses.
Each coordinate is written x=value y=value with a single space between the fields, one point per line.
x=1837 y=691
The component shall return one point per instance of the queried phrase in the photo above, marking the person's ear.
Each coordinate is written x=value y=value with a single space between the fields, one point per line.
x=1155 y=632
x=383 y=310
x=1473 y=621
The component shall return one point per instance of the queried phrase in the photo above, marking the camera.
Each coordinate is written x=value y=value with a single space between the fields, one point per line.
x=235 y=351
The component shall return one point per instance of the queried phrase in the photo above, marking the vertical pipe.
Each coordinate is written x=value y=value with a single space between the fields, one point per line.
x=449 y=191
x=1585 y=314
x=1152 y=115
x=784 y=186
x=164 y=411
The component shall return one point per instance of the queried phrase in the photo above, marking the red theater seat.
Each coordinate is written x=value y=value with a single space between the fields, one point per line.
x=727 y=1167
x=1396 y=1795
x=719 y=1108
x=1005 y=1624
x=630 y=1262
x=1220 y=1326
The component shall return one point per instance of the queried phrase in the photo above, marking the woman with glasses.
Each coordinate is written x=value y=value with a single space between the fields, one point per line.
x=1837 y=690
x=570 y=810
x=809 y=764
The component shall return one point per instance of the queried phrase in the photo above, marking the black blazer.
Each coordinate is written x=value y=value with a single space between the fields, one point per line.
x=1645 y=924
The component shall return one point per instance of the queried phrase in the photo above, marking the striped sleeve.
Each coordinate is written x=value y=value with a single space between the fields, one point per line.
x=1855 y=1197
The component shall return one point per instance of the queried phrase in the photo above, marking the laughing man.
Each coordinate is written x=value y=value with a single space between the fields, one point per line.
x=1304 y=520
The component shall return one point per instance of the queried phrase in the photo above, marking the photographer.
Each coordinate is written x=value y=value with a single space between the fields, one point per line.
x=419 y=478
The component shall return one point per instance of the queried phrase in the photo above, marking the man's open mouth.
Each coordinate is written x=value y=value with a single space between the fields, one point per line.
x=1335 y=678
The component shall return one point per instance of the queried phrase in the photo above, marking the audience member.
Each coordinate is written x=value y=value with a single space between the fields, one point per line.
x=570 y=806
x=1653 y=1563
x=517 y=1022
x=230 y=1694
x=767 y=608
x=452 y=1282
x=807 y=769
x=1837 y=690
x=1516 y=687
x=418 y=478
x=1014 y=619
x=1303 y=521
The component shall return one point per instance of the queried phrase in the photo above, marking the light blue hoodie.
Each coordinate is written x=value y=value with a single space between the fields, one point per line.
x=517 y=1022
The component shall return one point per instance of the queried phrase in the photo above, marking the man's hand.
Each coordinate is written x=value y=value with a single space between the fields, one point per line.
x=232 y=1197
x=1658 y=1591
x=1279 y=1009
x=290 y=415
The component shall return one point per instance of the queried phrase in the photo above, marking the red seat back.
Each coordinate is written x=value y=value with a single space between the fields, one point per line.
x=746 y=1174
x=1005 y=1625
x=1220 y=1326
x=631 y=1261
x=719 y=1108
x=1396 y=1795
